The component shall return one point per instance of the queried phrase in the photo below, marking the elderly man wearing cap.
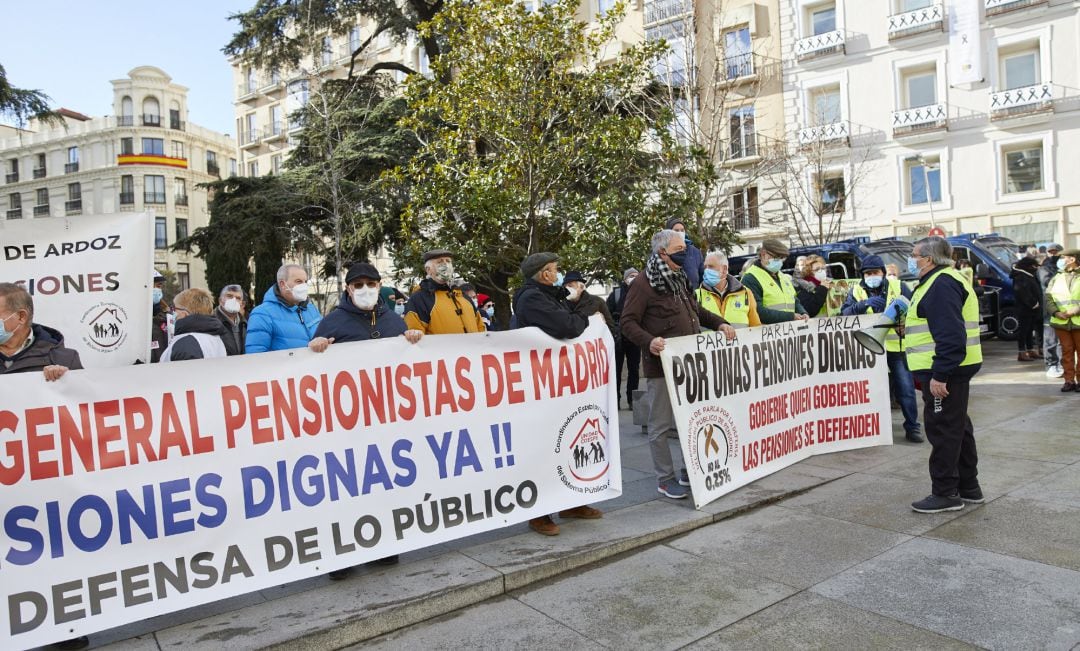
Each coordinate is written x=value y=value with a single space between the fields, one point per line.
x=541 y=303
x=360 y=314
x=773 y=290
x=439 y=308
x=695 y=261
x=624 y=348
x=1051 y=345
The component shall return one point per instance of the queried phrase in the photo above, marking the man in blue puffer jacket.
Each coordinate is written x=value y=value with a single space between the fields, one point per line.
x=285 y=319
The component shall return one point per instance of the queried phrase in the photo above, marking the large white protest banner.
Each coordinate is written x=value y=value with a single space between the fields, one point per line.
x=133 y=492
x=965 y=40
x=776 y=394
x=89 y=277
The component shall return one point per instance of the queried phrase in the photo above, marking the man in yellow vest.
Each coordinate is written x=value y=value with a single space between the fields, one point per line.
x=941 y=331
x=723 y=294
x=870 y=297
x=773 y=290
x=1063 y=306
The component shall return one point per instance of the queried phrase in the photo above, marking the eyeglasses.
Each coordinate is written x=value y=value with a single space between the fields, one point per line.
x=177 y=308
x=358 y=284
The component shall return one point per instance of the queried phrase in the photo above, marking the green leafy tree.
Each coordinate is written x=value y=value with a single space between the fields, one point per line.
x=535 y=142
x=20 y=104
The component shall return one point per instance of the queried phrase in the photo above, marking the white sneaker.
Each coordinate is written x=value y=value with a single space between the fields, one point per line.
x=1055 y=371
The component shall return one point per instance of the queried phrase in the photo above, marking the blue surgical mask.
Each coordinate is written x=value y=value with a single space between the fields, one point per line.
x=1061 y=264
x=913 y=266
x=399 y=308
x=711 y=277
x=490 y=312
x=5 y=334
x=559 y=279
x=158 y=295
x=773 y=266
x=873 y=282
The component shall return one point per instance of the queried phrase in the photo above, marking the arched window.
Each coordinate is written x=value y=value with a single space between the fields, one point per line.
x=151 y=112
x=127 y=110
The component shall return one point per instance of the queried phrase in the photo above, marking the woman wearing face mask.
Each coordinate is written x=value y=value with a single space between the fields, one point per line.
x=1063 y=306
x=360 y=314
x=813 y=287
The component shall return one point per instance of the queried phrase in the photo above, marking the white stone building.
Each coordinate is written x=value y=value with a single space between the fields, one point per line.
x=147 y=156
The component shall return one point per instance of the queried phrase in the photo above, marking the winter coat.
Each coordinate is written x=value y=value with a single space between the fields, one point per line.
x=196 y=336
x=811 y=294
x=47 y=349
x=233 y=346
x=273 y=325
x=694 y=268
x=1028 y=291
x=349 y=323
x=648 y=314
x=441 y=310
x=546 y=307
x=589 y=305
x=159 y=332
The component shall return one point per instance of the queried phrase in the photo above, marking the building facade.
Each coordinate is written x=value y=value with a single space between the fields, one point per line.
x=147 y=157
x=964 y=114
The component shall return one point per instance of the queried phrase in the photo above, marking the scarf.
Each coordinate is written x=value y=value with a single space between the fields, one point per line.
x=663 y=279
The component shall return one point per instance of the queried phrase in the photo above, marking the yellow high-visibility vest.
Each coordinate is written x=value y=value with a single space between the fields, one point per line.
x=1064 y=287
x=776 y=294
x=735 y=307
x=892 y=340
x=919 y=343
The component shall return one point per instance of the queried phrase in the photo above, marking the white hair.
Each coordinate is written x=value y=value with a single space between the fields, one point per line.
x=716 y=255
x=283 y=271
x=662 y=240
x=935 y=248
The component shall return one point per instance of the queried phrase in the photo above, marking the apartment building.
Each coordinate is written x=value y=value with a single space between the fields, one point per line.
x=963 y=114
x=147 y=156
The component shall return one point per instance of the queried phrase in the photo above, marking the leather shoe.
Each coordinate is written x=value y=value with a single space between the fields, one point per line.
x=544 y=526
x=1068 y=386
x=582 y=512
x=914 y=437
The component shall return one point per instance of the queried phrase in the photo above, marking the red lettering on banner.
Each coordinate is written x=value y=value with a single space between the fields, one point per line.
x=543 y=375
x=233 y=407
x=9 y=474
x=372 y=397
x=423 y=371
x=494 y=383
x=566 y=372
x=72 y=438
x=467 y=399
x=345 y=385
x=444 y=392
x=138 y=435
x=285 y=411
x=199 y=444
x=312 y=424
x=514 y=393
x=172 y=432
x=258 y=413
x=107 y=433
x=402 y=374
x=36 y=443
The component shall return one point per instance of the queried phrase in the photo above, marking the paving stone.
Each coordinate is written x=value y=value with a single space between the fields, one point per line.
x=810 y=621
x=1062 y=487
x=145 y=642
x=792 y=547
x=863 y=458
x=636 y=492
x=778 y=485
x=987 y=599
x=1051 y=531
x=497 y=625
x=876 y=501
x=997 y=474
x=1036 y=440
x=143 y=629
x=658 y=598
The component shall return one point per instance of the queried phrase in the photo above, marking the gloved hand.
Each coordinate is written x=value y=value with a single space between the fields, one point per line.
x=876 y=303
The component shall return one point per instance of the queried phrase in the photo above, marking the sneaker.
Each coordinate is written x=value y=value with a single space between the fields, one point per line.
x=544 y=526
x=973 y=496
x=1055 y=372
x=672 y=489
x=385 y=560
x=938 y=504
x=582 y=512
x=914 y=437
x=684 y=479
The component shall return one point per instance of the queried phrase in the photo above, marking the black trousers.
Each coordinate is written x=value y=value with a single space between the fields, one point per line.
x=626 y=349
x=953 y=459
x=1029 y=334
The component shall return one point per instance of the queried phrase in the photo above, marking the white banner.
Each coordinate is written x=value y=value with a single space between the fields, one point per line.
x=90 y=278
x=133 y=492
x=965 y=42
x=777 y=394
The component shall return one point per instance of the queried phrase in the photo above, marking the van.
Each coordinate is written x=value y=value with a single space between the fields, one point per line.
x=992 y=257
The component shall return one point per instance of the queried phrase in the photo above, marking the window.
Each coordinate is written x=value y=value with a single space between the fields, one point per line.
x=14 y=206
x=738 y=60
x=151 y=112
x=13 y=171
x=73 y=155
x=920 y=87
x=823 y=20
x=424 y=63
x=40 y=170
x=1023 y=167
x=250 y=82
x=180 y=198
x=327 y=50
x=42 y=197
x=127 y=111
x=232 y=167
x=744 y=208
x=671 y=67
x=743 y=140
x=153 y=188
x=161 y=233
x=181 y=228
x=127 y=189
x=604 y=6
x=178 y=149
x=919 y=173
x=1020 y=67
x=825 y=106
x=253 y=168
x=383 y=40
x=174 y=120
x=211 y=162
x=912 y=5
x=276 y=126
x=74 y=191
x=127 y=146
x=183 y=275
x=831 y=194
x=155 y=146
x=354 y=39
x=252 y=128
x=275 y=163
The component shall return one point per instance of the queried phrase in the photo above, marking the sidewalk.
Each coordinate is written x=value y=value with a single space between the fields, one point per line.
x=837 y=511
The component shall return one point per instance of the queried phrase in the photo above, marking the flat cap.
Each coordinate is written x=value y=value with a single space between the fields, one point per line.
x=1054 y=247
x=361 y=270
x=535 y=262
x=437 y=253
x=775 y=247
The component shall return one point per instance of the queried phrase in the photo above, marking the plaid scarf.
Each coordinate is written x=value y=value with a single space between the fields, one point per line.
x=664 y=280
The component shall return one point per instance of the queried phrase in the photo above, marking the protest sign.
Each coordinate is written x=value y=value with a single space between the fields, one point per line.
x=89 y=277
x=776 y=394
x=133 y=492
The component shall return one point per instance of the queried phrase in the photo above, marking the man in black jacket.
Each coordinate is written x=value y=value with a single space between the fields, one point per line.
x=360 y=314
x=540 y=303
x=230 y=311
x=624 y=348
x=25 y=346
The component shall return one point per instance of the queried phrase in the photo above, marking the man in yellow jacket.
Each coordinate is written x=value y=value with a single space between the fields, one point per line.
x=723 y=294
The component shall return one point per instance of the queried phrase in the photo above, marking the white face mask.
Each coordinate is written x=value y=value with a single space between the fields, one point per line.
x=400 y=308
x=365 y=298
x=232 y=305
x=444 y=271
x=575 y=293
x=821 y=275
x=300 y=292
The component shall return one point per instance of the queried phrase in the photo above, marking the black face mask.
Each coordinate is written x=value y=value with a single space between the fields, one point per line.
x=678 y=258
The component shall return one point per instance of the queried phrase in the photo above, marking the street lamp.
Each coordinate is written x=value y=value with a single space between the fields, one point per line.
x=918 y=158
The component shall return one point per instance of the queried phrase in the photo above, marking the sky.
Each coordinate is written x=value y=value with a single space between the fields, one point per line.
x=71 y=50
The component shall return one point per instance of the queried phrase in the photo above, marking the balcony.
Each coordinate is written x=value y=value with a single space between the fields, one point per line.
x=39 y=172
x=15 y=213
x=738 y=68
x=920 y=120
x=828 y=135
x=743 y=151
x=73 y=206
x=125 y=120
x=744 y=220
x=270 y=84
x=41 y=211
x=819 y=45
x=153 y=197
x=180 y=200
x=212 y=169
x=151 y=120
x=127 y=198
x=999 y=7
x=250 y=137
x=658 y=11
x=177 y=125
x=919 y=21
x=247 y=90
x=274 y=131
x=11 y=178
x=1028 y=101
x=71 y=168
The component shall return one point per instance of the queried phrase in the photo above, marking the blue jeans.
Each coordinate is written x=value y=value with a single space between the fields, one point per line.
x=903 y=388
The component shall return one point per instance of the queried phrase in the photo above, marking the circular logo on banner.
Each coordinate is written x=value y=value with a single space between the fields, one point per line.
x=582 y=447
x=104 y=327
x=714 y=442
